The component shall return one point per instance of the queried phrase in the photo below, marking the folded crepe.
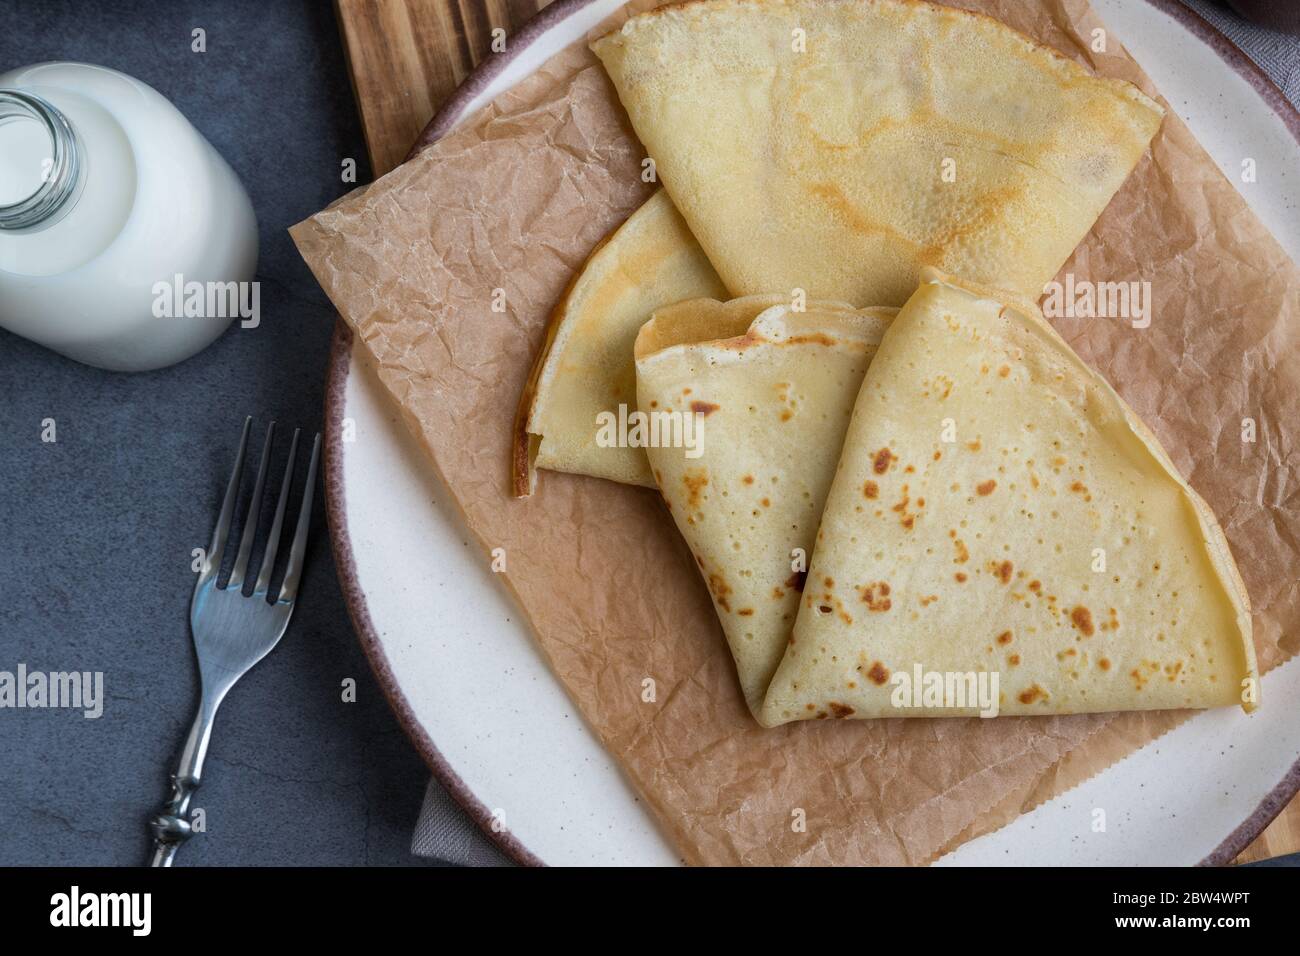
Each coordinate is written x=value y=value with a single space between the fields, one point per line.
x=771 y=405
x=585 y=365
x=999 y=511
x=837 y=146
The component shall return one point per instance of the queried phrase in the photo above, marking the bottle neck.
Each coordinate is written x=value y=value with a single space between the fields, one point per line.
x=61 y=173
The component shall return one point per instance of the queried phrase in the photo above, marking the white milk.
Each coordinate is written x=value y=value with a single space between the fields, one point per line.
x=145 y=199
x=25 y=147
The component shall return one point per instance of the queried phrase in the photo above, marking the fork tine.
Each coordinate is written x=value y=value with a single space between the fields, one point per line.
x=254 y=509
x=289 y=589
x=217 y=547
x=273 y=541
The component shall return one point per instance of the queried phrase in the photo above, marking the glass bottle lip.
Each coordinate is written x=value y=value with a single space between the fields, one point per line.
x=63 y=178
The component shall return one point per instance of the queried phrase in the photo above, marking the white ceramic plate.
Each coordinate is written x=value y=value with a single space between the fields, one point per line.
x=445 y=640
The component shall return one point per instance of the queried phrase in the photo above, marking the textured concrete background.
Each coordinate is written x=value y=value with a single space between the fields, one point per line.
x=96 y=530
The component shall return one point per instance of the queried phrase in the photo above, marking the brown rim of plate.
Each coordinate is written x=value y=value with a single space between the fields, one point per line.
x=355 y=599
x=447 y=116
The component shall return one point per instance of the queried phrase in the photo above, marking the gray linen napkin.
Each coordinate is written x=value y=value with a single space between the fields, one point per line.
x=1274 y=52
x=445 y=832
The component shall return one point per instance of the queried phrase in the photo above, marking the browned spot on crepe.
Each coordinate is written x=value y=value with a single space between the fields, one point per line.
x=1031 y=694
x=720 y=589
x=695 y=483
x=1081 y=618
x=876 y=596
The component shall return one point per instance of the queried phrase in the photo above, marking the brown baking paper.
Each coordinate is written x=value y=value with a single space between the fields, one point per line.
x=518 y=197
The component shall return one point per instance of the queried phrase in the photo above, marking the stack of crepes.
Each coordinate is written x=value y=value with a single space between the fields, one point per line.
x=897 y=480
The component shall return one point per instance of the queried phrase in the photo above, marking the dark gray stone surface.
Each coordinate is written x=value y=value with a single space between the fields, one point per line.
x=96 y=530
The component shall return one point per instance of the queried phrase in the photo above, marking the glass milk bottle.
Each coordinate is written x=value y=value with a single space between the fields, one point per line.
x=126 y=241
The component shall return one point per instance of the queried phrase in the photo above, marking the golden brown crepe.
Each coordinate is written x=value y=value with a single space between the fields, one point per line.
x=585 y=366
x=837 y=146
x=772 y=404
x=999 y=510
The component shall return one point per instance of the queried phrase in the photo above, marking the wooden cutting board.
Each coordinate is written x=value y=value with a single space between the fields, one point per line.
x=406 y=56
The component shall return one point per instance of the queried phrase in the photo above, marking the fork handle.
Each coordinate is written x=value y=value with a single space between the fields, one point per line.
x=171 y=827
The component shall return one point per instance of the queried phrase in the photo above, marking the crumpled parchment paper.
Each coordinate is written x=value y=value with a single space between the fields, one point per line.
x=505 y=209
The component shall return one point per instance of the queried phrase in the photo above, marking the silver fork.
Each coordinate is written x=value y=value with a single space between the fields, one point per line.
x=233 y=632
